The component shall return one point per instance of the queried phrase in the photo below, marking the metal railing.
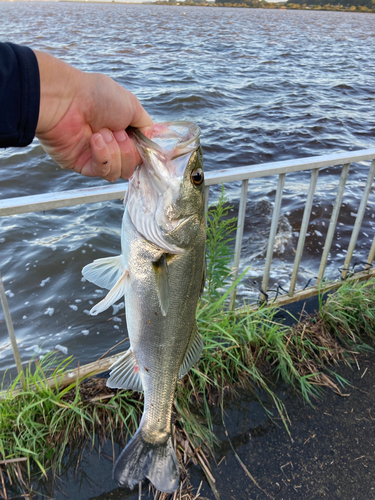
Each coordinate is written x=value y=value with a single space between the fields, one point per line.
x=50 y=201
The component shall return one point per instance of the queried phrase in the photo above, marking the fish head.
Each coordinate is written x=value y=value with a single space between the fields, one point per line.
x=165 y=198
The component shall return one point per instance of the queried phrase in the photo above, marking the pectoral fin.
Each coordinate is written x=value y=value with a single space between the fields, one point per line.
x=104 y=272
x=193 y=352
x=125 y=373
x=162 y=283
x=113 y=296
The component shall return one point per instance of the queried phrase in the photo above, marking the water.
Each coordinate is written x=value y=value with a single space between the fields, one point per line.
x=263 y=85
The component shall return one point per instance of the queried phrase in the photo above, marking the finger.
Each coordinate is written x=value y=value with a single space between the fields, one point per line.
x=111 y=155
x=140 y=119
x=98 y=162
x=105 y=159
x=147 y=131
x=130 y=158
x=114 y=150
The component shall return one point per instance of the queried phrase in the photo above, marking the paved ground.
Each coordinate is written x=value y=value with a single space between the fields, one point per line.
x=331 y=454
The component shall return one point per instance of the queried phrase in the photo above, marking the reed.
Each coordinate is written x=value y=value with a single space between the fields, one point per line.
x=243 y=349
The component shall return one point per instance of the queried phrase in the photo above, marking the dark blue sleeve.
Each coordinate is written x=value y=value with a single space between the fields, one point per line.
x=19 y=95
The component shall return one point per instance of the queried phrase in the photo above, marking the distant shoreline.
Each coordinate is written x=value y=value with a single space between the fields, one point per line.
x=188 y=3
x=262 y=5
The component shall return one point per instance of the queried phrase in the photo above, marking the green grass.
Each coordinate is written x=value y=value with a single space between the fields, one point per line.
x=37 y=423
x=243 y=349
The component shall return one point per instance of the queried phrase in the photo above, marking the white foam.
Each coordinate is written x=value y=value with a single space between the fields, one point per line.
x=61 y=348
x=43 y=282
x=34 y=348
x=117 y=307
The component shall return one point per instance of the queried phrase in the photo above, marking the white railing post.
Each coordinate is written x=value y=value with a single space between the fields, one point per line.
x=358 y=221
x=333 y=222
x=271 y=238
x=371 y=255
x=303 y=230
x=9 y=324
x=206 y=198
x=238 y=245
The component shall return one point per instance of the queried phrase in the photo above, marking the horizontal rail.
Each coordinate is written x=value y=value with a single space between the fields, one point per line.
x=49 y=201
x=286 y=166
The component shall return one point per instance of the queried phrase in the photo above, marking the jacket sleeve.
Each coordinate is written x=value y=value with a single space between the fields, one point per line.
x=19 y=95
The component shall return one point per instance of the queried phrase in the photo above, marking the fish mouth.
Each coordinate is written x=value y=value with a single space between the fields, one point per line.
x=172 y=139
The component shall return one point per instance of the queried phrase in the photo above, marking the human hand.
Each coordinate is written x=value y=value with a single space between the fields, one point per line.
x=83 y=118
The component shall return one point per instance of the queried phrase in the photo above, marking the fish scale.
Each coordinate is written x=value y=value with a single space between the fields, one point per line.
x=161 y=356
x=160 y=272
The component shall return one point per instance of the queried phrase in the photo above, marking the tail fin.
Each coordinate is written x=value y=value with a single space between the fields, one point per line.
x=141 y=459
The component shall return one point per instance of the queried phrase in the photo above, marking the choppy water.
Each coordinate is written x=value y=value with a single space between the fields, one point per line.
x=263 y=85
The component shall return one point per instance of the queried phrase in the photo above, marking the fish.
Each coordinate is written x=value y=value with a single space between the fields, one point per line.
x=161 y=273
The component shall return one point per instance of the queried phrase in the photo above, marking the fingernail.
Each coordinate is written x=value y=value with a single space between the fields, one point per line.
x=107 y=135
x=120 y=136
x=99 y=142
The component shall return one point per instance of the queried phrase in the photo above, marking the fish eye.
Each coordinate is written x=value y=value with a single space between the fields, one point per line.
x=197 y=177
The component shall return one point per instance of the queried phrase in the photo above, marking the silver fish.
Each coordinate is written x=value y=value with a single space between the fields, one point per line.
x=161 y=273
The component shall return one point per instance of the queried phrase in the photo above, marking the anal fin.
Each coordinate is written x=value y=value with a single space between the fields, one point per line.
x=193 y=352
x=125 y=373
